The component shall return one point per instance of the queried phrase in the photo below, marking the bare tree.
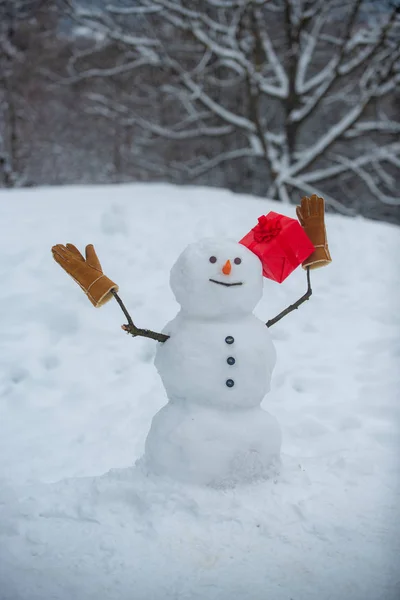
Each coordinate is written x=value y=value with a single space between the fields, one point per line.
x=303 y=89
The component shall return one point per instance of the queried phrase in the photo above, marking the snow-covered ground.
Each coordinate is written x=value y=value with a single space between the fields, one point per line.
x=77 y=395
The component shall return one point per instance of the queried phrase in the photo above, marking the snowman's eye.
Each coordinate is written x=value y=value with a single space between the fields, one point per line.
x=213 y=259
x=237 y=261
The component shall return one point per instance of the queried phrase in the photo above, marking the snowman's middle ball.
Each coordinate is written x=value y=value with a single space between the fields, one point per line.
x=215 y=278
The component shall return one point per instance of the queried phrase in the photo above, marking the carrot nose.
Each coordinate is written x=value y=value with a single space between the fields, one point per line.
x=227 y=268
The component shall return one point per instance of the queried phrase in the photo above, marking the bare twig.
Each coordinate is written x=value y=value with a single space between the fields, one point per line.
x=135 y=331
x=161 y=337
x=294 y=306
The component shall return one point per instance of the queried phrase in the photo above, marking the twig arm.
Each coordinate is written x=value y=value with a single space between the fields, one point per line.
x=162 y=337
x=135 y=331
x=294 y=306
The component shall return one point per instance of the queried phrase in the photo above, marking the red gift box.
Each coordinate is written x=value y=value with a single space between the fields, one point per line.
x=280 y=243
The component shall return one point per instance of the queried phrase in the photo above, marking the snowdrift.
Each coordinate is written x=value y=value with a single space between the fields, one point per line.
x=77 y=395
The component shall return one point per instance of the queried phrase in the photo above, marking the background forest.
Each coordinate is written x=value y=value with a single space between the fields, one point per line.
x=276 y=98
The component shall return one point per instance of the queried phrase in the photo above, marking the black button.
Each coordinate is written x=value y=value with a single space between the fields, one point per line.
x=230 y=382
x=229 y=339
x=230 y=360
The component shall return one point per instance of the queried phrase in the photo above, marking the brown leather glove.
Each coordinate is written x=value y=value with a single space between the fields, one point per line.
x=87 y=273
x=311 y=216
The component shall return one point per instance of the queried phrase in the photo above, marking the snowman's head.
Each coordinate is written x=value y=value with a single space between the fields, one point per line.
x=217 y=278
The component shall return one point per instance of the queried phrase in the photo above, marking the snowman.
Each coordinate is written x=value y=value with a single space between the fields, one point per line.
x=215 y=358
x=216 y=368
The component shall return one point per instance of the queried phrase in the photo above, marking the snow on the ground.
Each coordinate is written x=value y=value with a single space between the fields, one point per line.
x=77 y=395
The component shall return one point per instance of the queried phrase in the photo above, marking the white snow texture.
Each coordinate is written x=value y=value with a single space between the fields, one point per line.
x=77 y=397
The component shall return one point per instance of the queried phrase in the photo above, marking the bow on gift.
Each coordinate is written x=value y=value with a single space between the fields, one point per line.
x=267 y=228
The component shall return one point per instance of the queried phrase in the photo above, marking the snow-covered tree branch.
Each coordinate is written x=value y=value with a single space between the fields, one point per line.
x=303 y=91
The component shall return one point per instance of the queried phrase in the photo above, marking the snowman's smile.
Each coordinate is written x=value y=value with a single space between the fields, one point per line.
x=226 y=284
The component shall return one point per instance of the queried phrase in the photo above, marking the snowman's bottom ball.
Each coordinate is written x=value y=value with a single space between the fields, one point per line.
x=201 y=445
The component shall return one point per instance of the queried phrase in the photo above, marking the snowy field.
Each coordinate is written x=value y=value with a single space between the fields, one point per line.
x=78 y=521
